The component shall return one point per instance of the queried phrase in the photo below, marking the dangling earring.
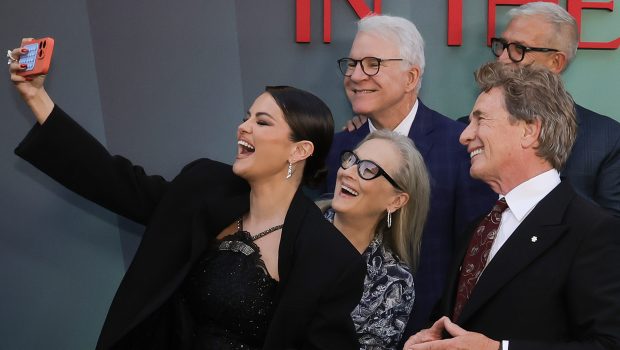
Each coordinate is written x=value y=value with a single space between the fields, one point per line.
x=289 y=173
x=389 y=218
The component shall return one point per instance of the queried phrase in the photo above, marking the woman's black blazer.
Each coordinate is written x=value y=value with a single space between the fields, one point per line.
x=321 y=273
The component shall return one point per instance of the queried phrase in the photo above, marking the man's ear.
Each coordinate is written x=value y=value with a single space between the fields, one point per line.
x=301 y=150
x=531 y=133
x=413 y=75
x=558 y=62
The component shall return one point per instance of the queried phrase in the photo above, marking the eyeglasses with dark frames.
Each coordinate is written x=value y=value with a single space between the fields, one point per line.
x=366 y=169
x=370 y=65
x=516 y=52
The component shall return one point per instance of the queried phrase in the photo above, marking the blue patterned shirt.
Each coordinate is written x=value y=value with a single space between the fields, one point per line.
x=381 y=316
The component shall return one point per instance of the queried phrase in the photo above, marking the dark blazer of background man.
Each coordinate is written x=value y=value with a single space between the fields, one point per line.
x=593 y=167
x=552 y=278
x=388 y=95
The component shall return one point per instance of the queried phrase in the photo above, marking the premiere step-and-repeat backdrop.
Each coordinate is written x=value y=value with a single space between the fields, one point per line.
x=165 y=82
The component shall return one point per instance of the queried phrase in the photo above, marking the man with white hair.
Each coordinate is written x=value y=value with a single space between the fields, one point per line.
x=543 y=33
x=382 y=78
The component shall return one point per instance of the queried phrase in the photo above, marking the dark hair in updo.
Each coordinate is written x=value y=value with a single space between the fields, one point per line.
x=311 y=120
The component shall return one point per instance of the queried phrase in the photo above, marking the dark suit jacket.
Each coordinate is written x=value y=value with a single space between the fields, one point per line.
x=593 y=167
x=456 y=200
x=594 y=163
x=321 y=273
x=560 y=290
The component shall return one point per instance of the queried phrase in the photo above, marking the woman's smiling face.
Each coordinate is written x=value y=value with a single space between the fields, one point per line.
x=264 y=142
x=367 y=198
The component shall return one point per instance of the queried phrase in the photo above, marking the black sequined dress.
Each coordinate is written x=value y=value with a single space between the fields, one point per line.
x=230 y=295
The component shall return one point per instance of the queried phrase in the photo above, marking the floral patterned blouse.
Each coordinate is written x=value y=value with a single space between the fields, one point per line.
x=382 y=314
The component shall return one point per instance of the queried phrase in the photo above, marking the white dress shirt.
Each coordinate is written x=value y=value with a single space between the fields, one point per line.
x=404 y=126
x=521 y=200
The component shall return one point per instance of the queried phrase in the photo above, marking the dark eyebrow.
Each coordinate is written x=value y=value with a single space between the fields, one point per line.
x=260 y=114
x=265 y=114
x=475 y=114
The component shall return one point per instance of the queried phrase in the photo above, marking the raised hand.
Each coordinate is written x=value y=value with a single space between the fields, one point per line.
x=30 y=88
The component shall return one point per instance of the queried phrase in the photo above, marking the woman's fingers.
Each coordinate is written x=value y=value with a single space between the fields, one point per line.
x=25 y=40
x=14 y=68
x=17 y=52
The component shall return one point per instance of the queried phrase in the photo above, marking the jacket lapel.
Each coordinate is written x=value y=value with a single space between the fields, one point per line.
x=292 y=226
x=221 y=214
x=422 y=126
x=537 y=233
x=357 y=136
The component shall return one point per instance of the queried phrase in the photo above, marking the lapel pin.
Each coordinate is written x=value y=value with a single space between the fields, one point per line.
x=534 y=239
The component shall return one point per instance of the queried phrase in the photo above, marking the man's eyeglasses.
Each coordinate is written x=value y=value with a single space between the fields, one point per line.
x=366 y=169
x=370 y=65
x=516 y=52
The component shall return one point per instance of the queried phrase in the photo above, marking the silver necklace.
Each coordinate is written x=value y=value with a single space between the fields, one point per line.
x=260 y=234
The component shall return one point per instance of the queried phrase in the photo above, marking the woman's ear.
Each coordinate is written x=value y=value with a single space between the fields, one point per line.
x=400 y=200
x=301 y=150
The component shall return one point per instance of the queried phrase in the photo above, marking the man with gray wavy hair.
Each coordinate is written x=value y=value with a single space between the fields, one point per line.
x=541 y=270
x=545 y=34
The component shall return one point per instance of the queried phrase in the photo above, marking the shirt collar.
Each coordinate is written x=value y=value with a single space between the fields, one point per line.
x=405 y=125
x=523 y=198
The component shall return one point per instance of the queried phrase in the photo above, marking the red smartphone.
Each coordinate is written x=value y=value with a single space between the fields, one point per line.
x=38 y=58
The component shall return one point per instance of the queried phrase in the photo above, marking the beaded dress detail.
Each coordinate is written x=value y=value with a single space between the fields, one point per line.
x=230 y=294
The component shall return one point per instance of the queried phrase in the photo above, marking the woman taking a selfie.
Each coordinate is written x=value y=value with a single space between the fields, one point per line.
x=231 y=257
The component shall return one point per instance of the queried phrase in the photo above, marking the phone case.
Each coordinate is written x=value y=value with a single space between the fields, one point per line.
x=39 y=56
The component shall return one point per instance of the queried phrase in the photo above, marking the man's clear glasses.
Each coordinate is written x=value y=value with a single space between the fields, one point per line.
x=516 y=52
x=370 y=65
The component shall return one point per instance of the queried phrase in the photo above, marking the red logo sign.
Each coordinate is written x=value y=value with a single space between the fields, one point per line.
x=455 y=18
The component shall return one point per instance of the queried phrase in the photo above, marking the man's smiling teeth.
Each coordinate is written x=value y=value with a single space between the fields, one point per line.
x=475 y=152
x=245 y=145
x=349 y=190
x=362 y=91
